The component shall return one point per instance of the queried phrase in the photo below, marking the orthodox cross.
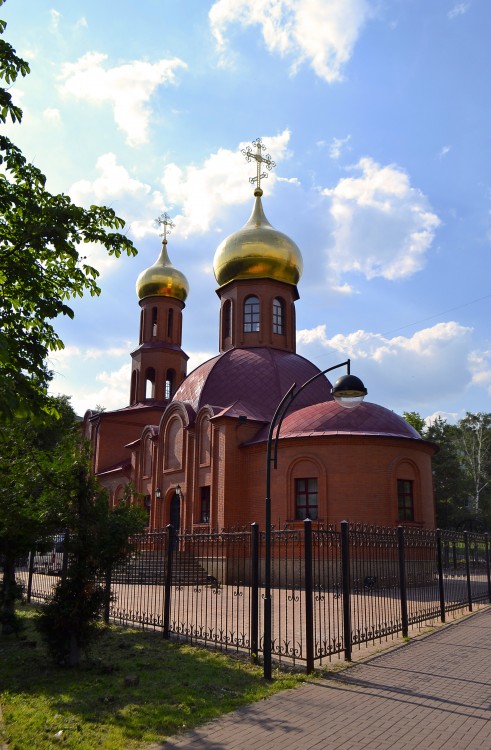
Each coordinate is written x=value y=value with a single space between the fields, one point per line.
x=260 y=160
x=165 y=221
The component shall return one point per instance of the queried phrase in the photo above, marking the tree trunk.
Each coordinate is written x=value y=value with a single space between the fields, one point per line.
x=7 y=595
x=74 y=657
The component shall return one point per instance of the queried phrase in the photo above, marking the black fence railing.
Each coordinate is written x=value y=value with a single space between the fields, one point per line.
x=332 y=590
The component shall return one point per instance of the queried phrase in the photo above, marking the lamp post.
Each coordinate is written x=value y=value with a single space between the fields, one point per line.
x=349 y=392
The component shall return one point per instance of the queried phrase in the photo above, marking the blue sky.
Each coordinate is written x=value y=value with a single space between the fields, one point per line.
x=377 y=114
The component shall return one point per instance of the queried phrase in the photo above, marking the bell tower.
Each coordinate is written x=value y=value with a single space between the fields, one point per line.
x=159 y=364
x=257 y=269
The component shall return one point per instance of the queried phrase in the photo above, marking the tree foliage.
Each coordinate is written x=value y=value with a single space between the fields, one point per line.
x=35 y=457
x=415 y=420
x=97 y=538
x=41 y=263
x=461 y=469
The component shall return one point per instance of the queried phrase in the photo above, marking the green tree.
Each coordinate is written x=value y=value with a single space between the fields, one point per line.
x=415 y=420
x=41 y=265
x=35 y=457
x=97 y=538
x=474 y=440
x=449 y=481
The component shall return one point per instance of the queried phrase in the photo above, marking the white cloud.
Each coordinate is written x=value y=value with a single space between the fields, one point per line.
x=55 y=19
x=113 y=182
x=444 y=151
x=222 y=180
x=111 y=351
x=314 y=31
x=52 y=115
x=382 y=225
x=128 y=88
x=459 y=9
x=113 y=393
x=133 y=200
x=447 y=416
x=61 y=360
x=197 y=358
x=337 y=145
x=406 y=373
x=481 y=369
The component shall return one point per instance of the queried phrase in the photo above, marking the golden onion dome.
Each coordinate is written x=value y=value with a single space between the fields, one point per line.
x=259 y=251
x=162 y=279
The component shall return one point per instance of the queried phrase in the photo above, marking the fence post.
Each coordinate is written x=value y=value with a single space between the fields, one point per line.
x=345 y=564
x=64 y=563
x=309 y=592
x=171 y=532
x=488 y=571
x=402 y=580
x=468 y=569
x=255 y=592
x=30 y=574
x=107 y=592
x=439 y=562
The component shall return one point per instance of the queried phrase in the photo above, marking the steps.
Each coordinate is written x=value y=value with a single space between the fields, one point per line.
x=151 y=567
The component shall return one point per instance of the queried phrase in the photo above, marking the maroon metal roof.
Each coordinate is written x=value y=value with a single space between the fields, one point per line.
x=332 y=419
x=251 y=382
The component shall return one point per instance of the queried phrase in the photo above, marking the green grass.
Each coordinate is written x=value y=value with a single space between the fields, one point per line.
x=179 y=687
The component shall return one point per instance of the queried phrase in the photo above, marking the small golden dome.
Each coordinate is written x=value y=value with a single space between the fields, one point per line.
x=162 y=279
x=258 y=251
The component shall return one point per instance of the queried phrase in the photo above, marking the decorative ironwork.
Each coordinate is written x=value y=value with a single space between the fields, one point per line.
x=260 y=160
x=165 y=221
x=212 y=595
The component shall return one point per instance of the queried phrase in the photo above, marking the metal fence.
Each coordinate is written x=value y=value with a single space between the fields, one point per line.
x=332 y=590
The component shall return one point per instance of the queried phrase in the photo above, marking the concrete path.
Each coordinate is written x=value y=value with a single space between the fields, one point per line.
x=434 y=692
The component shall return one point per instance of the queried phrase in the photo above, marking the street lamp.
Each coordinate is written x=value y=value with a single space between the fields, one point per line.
x=349 y=392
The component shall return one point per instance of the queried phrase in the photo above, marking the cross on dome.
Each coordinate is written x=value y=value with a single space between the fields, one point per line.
x=165 y=221
x=260 y=160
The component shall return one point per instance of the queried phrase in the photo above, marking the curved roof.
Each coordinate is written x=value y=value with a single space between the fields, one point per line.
x=162 y=279
x=258 y=251
x=251 y=382
x=332 y=419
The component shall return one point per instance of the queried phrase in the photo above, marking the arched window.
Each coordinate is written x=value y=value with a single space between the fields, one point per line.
x=204 y=442
x=408 y=491
x=147 y=458
x=227 y=319
x=133 y=387
x=118 y=495
x=278 y=315
x=405 y=499
x=154 y=321
x=251 y=314
x=306 y=499
x=170 y=323
x=169 y=384
x=141 y=326
x=150 y=383
x=174 y=444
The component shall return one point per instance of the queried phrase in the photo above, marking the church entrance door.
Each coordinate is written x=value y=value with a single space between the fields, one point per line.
x=175 y=511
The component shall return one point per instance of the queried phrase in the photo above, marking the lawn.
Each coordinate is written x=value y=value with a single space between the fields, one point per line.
x=133 y=689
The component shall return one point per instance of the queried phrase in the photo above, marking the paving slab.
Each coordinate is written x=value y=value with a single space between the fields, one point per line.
x=431 y=693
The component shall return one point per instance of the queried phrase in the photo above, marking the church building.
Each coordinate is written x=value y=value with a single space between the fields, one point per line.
x=195 y=446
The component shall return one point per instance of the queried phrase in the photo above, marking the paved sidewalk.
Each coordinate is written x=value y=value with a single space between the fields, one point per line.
x=434 y=692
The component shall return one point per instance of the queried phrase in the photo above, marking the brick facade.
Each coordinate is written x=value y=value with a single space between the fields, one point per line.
x=209 y=429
